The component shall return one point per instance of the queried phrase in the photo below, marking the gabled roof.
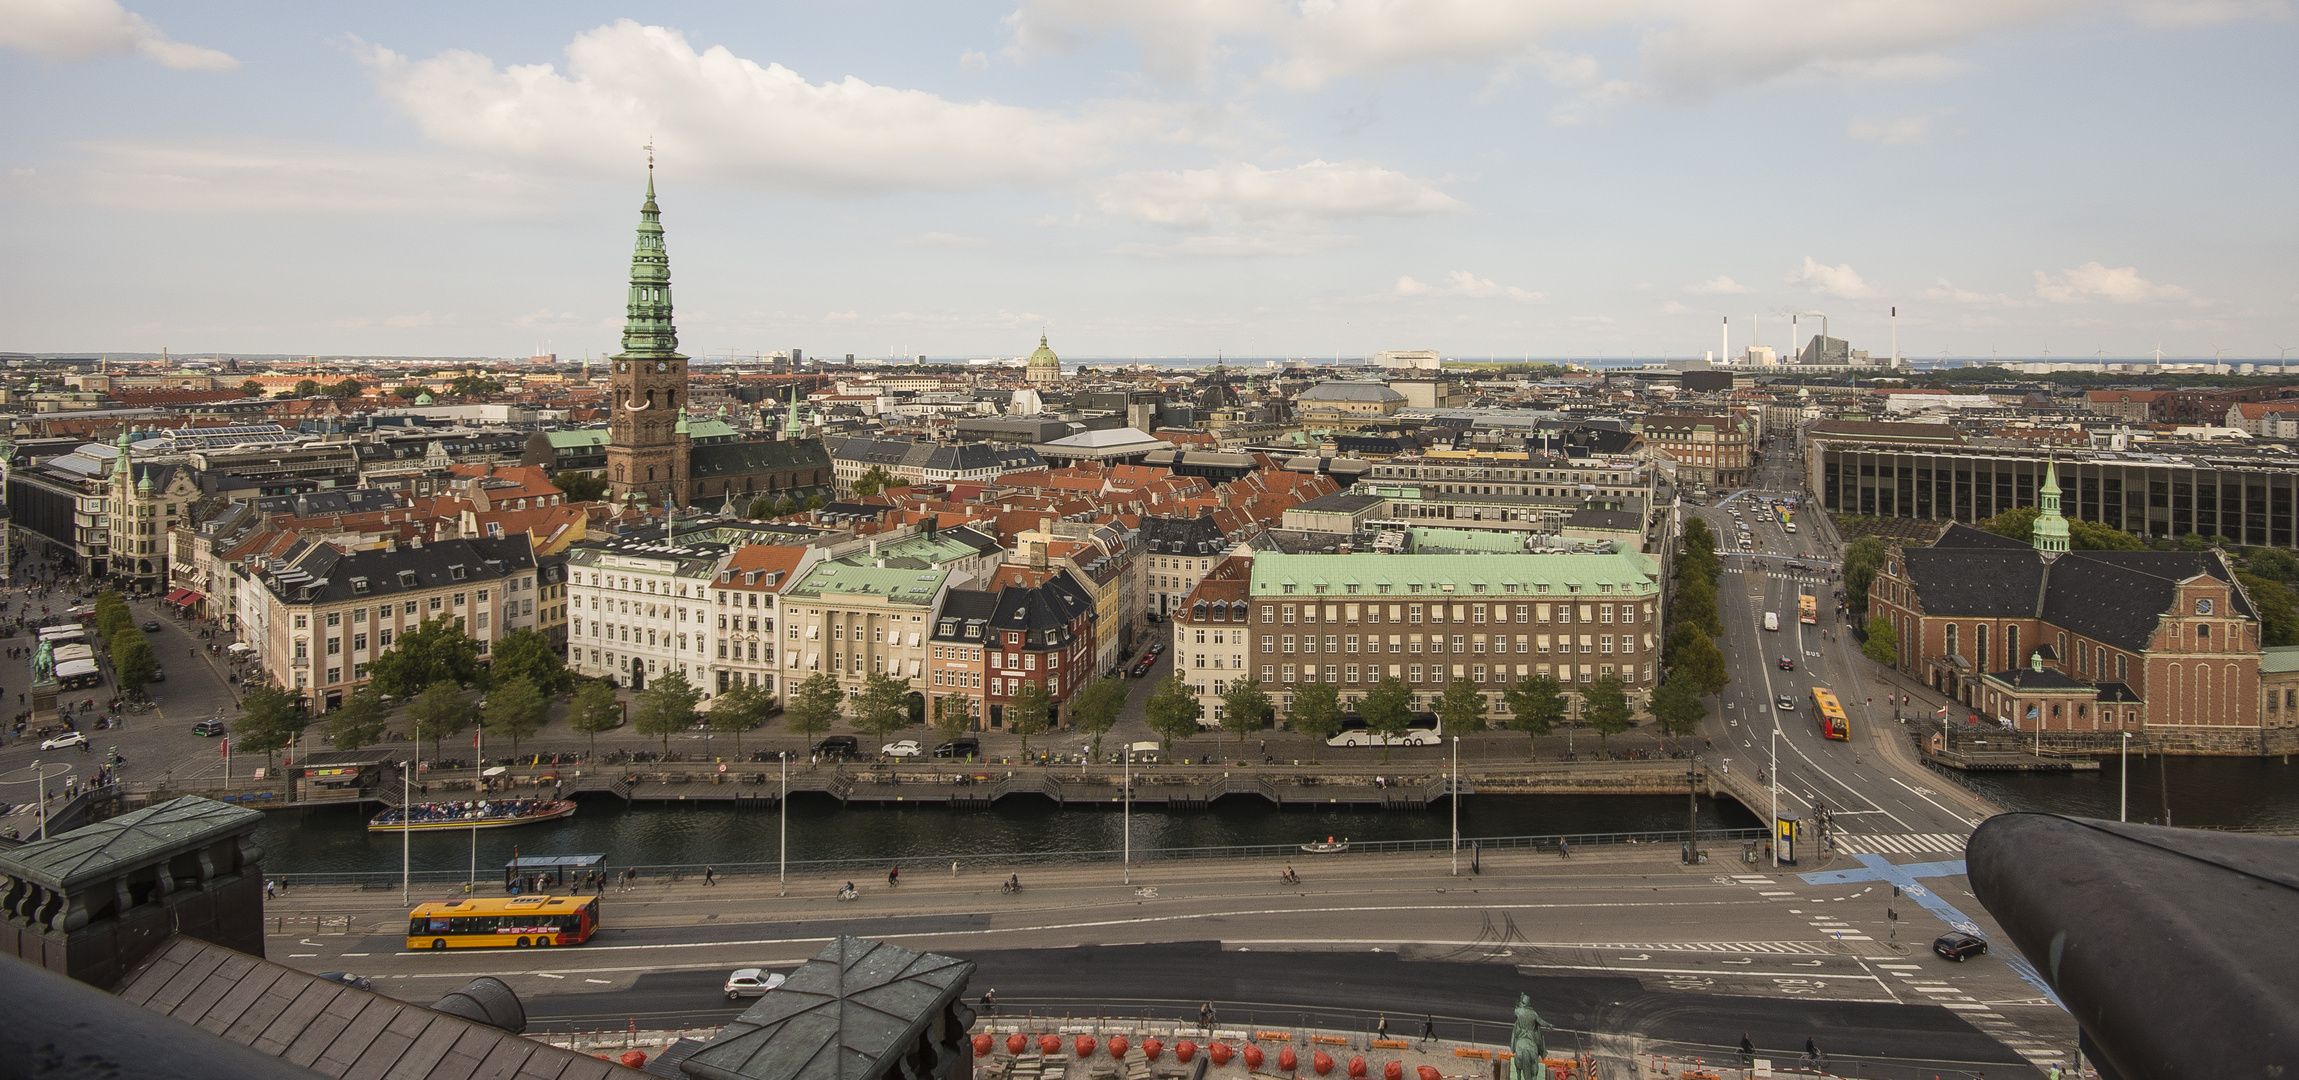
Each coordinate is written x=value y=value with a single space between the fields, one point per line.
x=734 y=459
x=2116 y=597
x=1349 y=391
x=845 y=1015
x=1960 y=535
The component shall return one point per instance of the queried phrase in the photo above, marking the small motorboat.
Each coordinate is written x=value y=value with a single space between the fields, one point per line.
x=475 y=814
x=1326 y=847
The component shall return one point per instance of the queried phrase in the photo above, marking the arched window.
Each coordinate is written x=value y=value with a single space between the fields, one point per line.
x=1951 y=639
x=2012 y=647
x=1982 y=657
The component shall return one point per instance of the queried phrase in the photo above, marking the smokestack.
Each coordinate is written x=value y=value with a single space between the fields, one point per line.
x=1724 y=344
x=1895 y=335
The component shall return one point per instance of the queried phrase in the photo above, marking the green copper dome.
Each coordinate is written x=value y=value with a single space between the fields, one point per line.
x=1044 y=357
x=423 y=398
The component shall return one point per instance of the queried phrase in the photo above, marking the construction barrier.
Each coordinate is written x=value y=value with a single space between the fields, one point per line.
x=1329 y=1040
x=1273 y=1036
x=1391 y=1044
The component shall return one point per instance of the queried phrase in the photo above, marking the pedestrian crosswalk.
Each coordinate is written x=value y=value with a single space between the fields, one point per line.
x=1777 y=948
x=1900 y=844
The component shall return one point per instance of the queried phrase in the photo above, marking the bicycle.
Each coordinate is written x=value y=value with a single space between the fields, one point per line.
x=1010 y=887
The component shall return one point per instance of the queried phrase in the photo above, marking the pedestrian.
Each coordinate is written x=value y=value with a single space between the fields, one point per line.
x=270 y=889
x=710 y=875
x=989 y=1001
x=1381 y=1026
x=1205 y=1018
x=1428 y=1028
x=1747 y=1050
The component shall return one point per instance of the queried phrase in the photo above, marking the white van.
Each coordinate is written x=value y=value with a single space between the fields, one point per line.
x=1772 y=620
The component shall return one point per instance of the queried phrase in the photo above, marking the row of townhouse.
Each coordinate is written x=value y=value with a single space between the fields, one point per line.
x=1426 y=620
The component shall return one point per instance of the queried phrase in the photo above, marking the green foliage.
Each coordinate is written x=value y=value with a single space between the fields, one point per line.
x=359 y=722
x=1882 y=646
x=1696 y=605
x=132 y=661
x=1605 y=706
x=307 y=388
x=2017 y=523
x=1462 y=708
x=515 y=709
x=1695 y=657
x=954 y=717
x=270 y=719
x=1387 y=709
x=1094 y=710
x=1537 y=705
x=665 y=707
x=348 y=388
x=1699 y=558
x=813 y=705
x=877 y=479
x=580 y=487
x=527 y=653
x=737 y=708
x=409 y=393
x=883 y=707
x=1862 y=558
x=813 y=502
x=785 y=506
x=251 y=388
x=1173 y=711
x=2093 y=536
x=2278 y=609
x=760 y=508
x=439 y=712
x=472 y=385
x=1029 y=712
x=2274 y=564
x=1676 y=705
x=1317 y=713
x=1245 y=708
x=436 y=651
x=595 y=709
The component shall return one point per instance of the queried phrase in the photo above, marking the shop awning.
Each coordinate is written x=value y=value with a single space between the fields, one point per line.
x=176 y=596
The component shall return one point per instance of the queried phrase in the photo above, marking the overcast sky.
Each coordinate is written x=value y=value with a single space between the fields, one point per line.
x=1155 y=177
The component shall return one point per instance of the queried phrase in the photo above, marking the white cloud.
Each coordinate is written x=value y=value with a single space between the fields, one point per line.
x=1839 y=281
x=1317 y=190
x=1268 y=243
x=1905 y=131
x=2116 y=285
x=1464 y=283
x=1945 y=291
x=944 y=240
x=1718 y=286
x=250 y=176
x=1673 y=307
x=842 y=316
x=973 y=60
x=85 y=29
x=732 y=120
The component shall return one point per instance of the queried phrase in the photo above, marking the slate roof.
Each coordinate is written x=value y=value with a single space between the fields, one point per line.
x=1960 y=535
x=333 y=1029
x=2031 y=679
x=1182 y=536
x=96 y=851
x=961 y=608
x=1986 y=582
x=843 y=1015
x=2116 y=597
x=735 y=459
x=336 y=576
x=1349 y=391
x=938 y=457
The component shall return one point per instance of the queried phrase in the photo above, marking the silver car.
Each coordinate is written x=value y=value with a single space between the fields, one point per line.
x=752 y=982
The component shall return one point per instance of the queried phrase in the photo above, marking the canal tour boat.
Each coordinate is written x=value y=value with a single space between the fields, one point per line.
x=476 y=814
x=1326 y=847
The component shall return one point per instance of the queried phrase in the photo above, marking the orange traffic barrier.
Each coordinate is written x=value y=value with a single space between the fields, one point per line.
x=1392 y=1044
x=1465 y=1052
x=1329 y=1040
x=1273 y=1036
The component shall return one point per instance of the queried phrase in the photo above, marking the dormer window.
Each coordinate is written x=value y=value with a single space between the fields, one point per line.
x=407 y=579
x=455 y=572
x=359 y=585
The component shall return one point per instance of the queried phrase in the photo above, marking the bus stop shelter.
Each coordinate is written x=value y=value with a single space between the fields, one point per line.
x=564 y=868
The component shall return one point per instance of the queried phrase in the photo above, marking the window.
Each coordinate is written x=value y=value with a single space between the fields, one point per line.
x=383 y=637
x=334 y=618
x=301 y=621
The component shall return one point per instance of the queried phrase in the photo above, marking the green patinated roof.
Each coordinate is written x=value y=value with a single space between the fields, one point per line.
x=423 y=399
x=579 y=437
x=711 y=429
x=897 y=584
x=2279 y=658
x=1044 y=356
x=1501 y=576
x=94 y=852
x=1465 y=541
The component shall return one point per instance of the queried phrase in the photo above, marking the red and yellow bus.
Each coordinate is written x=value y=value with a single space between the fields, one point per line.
x=1808 y=610
x=514 y=921
x=1825 y=709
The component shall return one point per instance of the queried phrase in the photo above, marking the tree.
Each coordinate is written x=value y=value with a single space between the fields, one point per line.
x=785 y=506
x=813 y=705
x=1862 y=558
x=953 y=717
x=1605 y=707
x=1317 y=713
x=251 y=388
x=1387 y=709
x=270 y=719
x=2274 y=564
x=132 y=662
x=666 y=706
x=1696 y=657
x=1536 y=705
x=580 y=487
x=515 y=709
x=1882 y=646
x=760 y=508
x=359 y=722
x=595 y=709
x=1094 y=711
x=436 y=651
x=883 y=707
x=739 y=708
x=1696 y=606
x=1699 y=552
x=307 y=388
x=2018 y=523
x=473 y=385
x=2278 y=609
x=1462 y=708
x=439 y=712
x=1244 y=708
x=1676 y=706
x=348 y=388
x=408 y=393
x=1028 y=712
x=1173 y=711
x=813 y=502
x=2093 y=536
x=527 y=653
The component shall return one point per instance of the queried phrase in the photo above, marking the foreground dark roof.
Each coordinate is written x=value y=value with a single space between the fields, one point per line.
x=843 y=1015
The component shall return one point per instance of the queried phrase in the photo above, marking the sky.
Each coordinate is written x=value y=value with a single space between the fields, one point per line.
x=1156 y=178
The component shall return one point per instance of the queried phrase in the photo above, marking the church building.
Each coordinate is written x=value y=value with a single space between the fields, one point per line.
x=653 y=457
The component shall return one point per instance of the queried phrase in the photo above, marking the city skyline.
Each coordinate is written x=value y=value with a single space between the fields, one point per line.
x=1157 y=181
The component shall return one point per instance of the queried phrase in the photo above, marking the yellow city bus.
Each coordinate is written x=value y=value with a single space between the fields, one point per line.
x=515 y=921
x=1808 y=610
x=1833 y=723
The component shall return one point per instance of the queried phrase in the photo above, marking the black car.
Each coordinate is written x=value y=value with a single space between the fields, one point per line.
x=838 y=746
x=1959 y=946
x=1142 y=667
x=959 y=748
x=1786 y=664
x=152 y=627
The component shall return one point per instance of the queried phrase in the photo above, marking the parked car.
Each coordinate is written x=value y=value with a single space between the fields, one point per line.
x=959 y=748
x=151 y=626
x=752 y=982
x=905 y=748
x=1156 y=647
x=1959 y=947
x=59 y=742
x=1142 y=666
x=1787 y=703
x=838 y=746
x=209 y=728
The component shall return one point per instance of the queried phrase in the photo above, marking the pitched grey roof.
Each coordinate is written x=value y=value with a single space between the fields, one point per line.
x=334 y=575
x=91 y=852
x=938 y=457
x=845 y=1015
x=1182 y=536
x=1349 y=391
x=2116 y=597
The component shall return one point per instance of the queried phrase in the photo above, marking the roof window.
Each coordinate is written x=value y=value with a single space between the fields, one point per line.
x=359 y=585
x=456 y=572
x=407 y=579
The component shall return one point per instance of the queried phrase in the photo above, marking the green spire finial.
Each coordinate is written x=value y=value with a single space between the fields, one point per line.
x=648 y=333
x=2051 y=531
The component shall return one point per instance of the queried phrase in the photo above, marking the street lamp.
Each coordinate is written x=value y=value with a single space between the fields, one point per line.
x=1126 y=796
x=782 y=842
x=1774 y=824
x=2122 y=768
x=1453 y=793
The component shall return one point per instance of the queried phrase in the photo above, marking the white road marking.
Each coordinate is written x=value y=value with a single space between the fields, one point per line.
x=548 y=975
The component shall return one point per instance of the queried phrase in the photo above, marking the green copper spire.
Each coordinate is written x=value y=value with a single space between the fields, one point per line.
x=2051 y=533
x=647 y=329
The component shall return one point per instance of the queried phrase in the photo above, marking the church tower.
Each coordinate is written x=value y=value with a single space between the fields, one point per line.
x=2051 y=533
x=646 y=448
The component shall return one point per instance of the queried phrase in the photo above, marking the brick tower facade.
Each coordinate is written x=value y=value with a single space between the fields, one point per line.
x=647 y=452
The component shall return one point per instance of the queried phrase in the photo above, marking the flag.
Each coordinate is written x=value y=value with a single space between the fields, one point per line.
x=223 y=749
x=1943 y=713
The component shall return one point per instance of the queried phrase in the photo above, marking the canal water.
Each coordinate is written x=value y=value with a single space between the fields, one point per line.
x=2215 y=792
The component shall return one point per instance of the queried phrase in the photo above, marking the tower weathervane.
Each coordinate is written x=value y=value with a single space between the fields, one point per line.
x=650 y=149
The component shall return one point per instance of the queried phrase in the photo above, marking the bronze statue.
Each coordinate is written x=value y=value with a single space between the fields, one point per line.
x=44 y=663
x=1526 y=1043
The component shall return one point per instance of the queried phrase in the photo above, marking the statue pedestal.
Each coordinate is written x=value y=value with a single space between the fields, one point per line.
x=43 y=699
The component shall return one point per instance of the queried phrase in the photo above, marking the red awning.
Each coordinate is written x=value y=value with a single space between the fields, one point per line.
x=176 y=596
x=191 y=597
